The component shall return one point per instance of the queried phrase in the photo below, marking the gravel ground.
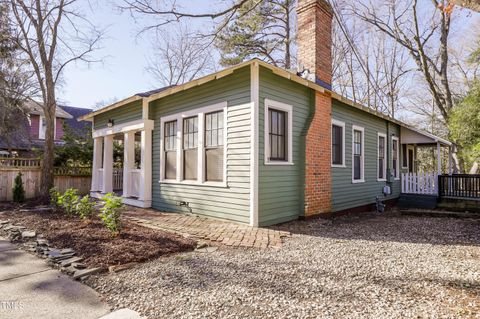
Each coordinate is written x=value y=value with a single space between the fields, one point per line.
x=354 y=267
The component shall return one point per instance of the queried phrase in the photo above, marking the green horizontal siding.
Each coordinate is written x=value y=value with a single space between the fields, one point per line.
x=281 y=188
x=346 y=194
x=125 y=113
x=232 y=202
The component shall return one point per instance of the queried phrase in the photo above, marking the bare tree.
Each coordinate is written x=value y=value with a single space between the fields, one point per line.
x=166 y=12
x=179 y=57
x=470 y=4
x=52 y=34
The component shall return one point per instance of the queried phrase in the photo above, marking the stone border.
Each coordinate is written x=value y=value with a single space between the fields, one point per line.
x=63 y=259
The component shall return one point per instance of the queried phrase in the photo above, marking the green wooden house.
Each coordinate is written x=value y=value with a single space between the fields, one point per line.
x=258 y=144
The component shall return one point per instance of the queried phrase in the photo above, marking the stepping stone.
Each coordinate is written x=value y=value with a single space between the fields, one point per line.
x=78 y=265
x=68 y=262
x=62 y=257
x=53 y=253
x=28 y=234
x=42 y=242
x=207 y=250
x=86 y=272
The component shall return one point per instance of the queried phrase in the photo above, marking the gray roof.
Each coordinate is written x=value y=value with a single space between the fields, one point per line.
x=152 y=92
x=76 y=112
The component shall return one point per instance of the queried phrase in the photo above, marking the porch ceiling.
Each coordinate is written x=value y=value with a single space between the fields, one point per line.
x=414 y=136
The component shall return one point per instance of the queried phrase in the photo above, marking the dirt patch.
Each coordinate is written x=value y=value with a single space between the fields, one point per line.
x=95 y=244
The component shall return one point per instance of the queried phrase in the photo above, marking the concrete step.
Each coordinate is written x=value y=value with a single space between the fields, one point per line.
x=124 y=313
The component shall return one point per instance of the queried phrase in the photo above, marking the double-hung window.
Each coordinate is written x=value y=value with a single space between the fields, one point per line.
x=170 y=145
x=338 y=142
x=214 y=146
x=190 y=148
x=193 y=146
x=278 y=133
x=358 y=154
x=382 y=157
x=395 y=158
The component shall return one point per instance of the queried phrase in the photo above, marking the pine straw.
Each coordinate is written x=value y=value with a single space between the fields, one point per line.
x=92 y=241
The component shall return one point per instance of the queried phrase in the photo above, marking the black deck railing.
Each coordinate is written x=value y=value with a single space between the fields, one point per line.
x=459 y=185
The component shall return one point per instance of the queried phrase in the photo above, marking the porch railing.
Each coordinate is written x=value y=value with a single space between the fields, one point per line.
x=117 y=179
x=459 y=185
x=135 y=182
x=419 y=183
x=19 y=162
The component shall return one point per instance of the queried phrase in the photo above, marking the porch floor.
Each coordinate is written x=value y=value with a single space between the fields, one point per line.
x=211 y=230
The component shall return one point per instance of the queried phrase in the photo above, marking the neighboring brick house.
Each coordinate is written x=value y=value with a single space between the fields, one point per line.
x=255 y=143
x=30 y=135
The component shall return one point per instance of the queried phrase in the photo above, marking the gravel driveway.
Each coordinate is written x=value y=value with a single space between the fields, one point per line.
x=372 y=266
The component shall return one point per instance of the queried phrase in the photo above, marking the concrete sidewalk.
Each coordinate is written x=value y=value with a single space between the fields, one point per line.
x=29 y=288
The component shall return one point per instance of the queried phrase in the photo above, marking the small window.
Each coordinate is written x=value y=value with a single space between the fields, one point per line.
x=338 y=133
x=170 y=142
x=214 y=146
x=358 y=154
x=277 y=134
x=381 y=167
x=404 y=156
x=190 y=148
x=395 y=157
x=42 y=128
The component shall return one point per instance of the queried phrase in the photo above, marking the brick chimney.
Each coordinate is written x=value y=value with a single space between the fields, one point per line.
x=314 y=39
x=315 y=63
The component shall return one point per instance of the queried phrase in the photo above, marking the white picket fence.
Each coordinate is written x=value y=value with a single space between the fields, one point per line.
x=420 y=183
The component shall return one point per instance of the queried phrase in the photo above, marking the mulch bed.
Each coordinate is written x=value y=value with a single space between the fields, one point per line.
x=92 y=241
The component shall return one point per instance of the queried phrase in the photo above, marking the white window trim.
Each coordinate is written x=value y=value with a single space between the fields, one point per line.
x=362 y=159
x=200 y=112
x=275 y=105
x=384 y=179
x=40 y=124
x=342 y=125
x=394 y=138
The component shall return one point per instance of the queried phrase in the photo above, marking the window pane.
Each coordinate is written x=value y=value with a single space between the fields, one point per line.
x=190 y=126
x=337 y=144
x=214 y=129
x=356 y=167
x=404 y=155
x=277 y=132
x=170 y=132
x=380 y=168
x=214 y=164
x=190 y=164
x=171 y=165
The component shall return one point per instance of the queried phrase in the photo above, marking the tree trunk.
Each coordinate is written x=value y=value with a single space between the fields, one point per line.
x=49 y=108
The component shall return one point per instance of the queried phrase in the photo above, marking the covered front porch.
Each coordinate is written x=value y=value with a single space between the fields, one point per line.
x=417 y=177
x=122 y=162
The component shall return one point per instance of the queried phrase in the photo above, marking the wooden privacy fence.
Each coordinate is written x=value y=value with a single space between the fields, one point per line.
x=419 y=183
x=459 y=186
x=64 y=177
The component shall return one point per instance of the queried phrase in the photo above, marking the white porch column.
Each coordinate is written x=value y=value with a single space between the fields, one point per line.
x=128 y=161
x=108 y=164
x=146 y=166
x=97 y=162
x=439 y=160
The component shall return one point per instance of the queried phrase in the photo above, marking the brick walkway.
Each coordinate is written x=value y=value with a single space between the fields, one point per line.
x=211 y=230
